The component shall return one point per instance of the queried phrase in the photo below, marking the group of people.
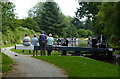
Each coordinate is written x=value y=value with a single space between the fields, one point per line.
x=43 y=41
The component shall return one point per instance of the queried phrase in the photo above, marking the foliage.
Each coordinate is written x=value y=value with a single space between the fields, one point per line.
x=87 y=9
x=12 y=28
x=35 y=12
x=6 y=63
x=107 y=21
x=8 y=17
x=82 y=67
x=51 y=20
x=17 y=36
x=104 y=18
x=78 y=24
x=7 y=45
x=70 y=30
x=84 y=33
x=30 y=24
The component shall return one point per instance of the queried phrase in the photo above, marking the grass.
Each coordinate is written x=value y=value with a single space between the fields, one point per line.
x=8 y=45
x=0 y=62
x=116 y=52
x=115 y=46
x=6 y=63
x=76 y=66
x=26 y=52
x=82 y=67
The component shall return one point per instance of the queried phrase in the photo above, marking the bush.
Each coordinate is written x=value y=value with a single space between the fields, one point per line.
x=84 y=33
x=17 y=35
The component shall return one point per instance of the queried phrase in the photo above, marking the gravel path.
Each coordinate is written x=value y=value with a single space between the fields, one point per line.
x=26 y=66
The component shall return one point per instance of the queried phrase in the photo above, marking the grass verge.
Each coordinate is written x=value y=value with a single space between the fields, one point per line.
x=26 y=52
x=115 y=46
x=8 y=45
x=82 y=67
x=76 y=66
x=6 y=63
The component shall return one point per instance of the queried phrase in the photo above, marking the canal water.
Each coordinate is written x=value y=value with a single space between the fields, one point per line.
x=78 y=42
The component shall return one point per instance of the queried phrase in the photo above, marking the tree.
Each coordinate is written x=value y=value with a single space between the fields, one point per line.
x=107 y=21
x=84 y=33
x=49 y=18
x=70 y=30
x=87 y=9
x=88 y=24
x=8 y=16
x=30 y=24
x=78 y=24
x=35 y=12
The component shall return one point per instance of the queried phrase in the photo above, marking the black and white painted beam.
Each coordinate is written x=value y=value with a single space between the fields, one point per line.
x=64 y=48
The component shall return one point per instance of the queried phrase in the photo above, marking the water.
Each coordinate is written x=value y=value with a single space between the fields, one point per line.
x=78 y=43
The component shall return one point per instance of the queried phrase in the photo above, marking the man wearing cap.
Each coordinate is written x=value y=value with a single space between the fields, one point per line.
x=50 y=41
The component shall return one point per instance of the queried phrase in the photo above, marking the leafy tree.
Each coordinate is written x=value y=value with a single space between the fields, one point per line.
x=87 y=9
x=107 y=20
x=8 y=16
x=30 y=24
x=48 y=17
x=88 y=24
x=52 y=20
x=84 y=33
x=70 y=30
x=36 y=11
x=78 y=24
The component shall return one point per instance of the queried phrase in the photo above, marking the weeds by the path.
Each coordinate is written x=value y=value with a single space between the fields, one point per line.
x=6 y=63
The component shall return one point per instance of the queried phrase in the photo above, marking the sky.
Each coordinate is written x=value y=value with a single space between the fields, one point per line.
x=68 y=7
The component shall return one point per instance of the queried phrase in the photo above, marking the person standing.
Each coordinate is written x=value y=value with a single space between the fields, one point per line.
x=50 y=42
x=65 y=44
x=35 y=43
x=43 y=42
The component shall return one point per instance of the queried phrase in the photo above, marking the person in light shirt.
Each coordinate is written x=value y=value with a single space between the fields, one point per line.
x=35 y=43
x=50 y=42
x=26 y=40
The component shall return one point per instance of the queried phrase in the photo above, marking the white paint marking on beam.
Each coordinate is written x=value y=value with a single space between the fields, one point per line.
x=22 y=47
x=110 y=49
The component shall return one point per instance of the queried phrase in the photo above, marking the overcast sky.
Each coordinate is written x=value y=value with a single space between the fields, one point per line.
x=68 y=7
